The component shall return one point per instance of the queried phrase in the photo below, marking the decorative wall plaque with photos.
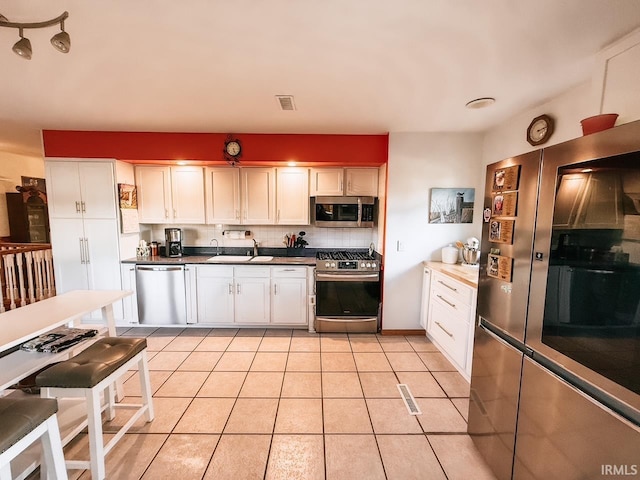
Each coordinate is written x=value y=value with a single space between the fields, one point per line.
x=504 y=204
x=500 y=267
x=505 y=179
x=501 y=231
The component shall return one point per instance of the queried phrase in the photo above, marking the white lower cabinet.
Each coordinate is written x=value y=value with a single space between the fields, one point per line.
x=250 y=295
x=450 y=319
x=289 y=298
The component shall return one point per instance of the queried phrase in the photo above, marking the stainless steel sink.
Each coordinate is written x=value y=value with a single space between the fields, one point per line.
x=262 y=258
x=229 y=258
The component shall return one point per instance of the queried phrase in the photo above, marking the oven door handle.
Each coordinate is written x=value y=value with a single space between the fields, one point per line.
x=365 y=277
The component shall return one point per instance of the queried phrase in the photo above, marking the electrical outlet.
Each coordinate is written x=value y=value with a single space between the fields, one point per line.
x=400 y=246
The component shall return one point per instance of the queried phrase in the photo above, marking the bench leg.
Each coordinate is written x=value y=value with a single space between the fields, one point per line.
x=96 y=442
x=145 y=385
x=109 y=399
x=52 y=451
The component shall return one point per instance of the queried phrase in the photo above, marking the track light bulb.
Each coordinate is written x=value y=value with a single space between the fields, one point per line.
x=22 y=47
x=61 y=42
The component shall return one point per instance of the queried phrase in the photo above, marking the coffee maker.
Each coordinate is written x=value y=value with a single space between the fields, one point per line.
x=173 y=242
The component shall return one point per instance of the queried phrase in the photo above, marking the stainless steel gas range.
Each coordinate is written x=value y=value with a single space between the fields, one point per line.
x=347 y=292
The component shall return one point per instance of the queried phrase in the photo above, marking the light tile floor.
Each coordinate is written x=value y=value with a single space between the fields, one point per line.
x=286 y=404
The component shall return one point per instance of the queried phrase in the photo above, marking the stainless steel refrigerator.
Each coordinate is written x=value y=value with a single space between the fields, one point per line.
x=555 y=387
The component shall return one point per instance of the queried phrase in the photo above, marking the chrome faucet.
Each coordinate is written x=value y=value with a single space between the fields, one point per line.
x=255 y=248
x=217 y=245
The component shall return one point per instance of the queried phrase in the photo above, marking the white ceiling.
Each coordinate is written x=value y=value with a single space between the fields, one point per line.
x=354 y=66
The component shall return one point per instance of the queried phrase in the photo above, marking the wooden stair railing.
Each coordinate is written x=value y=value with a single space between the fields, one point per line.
x=26 y=274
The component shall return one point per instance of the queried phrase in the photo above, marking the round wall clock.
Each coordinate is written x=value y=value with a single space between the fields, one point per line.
x=539 y=130
x=232 y=150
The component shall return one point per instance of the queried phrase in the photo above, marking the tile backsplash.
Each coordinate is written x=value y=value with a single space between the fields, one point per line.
x=266 y=235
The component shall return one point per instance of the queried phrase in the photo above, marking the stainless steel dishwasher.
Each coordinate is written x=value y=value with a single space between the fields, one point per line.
x=161 y=295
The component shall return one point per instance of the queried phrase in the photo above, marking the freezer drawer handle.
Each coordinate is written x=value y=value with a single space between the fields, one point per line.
x=446 y=301
x=444 y=329
x=448 y=286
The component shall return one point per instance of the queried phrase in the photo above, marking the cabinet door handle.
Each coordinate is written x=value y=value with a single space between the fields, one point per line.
x=166 y=213
x=84 y=207
x=77 y=207
x=81 y=240
x=444 y=329
x=86 y=248
x=275 y=288
x=448 y=286
x=237 y=214
x=278 y=219
x=231 y=289
x=238 y=289
x=175 y=213
x=446 y=301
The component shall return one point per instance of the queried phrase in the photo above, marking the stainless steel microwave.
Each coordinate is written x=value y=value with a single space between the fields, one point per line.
x=343 y=212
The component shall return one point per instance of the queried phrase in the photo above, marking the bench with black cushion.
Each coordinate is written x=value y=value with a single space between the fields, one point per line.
x=23 y=421
x=92 y=373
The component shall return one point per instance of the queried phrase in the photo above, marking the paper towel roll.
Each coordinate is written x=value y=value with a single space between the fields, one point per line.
x=237 y=234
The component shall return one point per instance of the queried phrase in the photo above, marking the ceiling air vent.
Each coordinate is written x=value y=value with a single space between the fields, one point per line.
x=286 y=102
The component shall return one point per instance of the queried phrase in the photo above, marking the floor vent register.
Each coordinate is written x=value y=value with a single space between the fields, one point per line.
x=408 y=399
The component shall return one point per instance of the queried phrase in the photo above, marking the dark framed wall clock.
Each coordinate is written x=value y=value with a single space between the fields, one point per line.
x=232 y=150
x=539 y=130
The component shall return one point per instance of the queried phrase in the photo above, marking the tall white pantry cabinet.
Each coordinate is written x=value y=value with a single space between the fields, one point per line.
x=84 y=225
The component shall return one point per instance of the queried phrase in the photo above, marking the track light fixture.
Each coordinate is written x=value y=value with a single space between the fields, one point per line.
x=60 y=41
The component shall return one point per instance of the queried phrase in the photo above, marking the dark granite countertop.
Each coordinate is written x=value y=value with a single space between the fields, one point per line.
x=220 y=260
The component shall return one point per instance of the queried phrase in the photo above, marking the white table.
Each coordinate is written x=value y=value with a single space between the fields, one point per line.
x=24 y=323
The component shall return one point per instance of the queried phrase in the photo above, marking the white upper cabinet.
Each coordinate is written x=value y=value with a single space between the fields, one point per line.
x=292 y=196
x=615 y=83
x=81 y=189
x=187 y=194
x=223 y=195
x=327 y=181
x=361 y=182
x=170 y=194
x=258 y=191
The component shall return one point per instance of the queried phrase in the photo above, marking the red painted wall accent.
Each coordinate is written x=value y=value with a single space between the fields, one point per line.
x=257 y=149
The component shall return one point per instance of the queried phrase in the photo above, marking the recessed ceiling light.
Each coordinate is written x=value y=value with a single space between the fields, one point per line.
x=481 y=102
x=291 y=163
x=181 y=162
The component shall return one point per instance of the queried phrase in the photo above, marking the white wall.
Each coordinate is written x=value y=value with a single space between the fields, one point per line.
x=417 y=163
x=128 y=241
x=509 y=138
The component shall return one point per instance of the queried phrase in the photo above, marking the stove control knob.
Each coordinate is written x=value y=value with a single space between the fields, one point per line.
x=327 y=265
x=362 y=265
x=373 y=264
x=333 y=265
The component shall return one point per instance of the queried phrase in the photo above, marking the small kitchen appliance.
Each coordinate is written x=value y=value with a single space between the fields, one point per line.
x=173 y=242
